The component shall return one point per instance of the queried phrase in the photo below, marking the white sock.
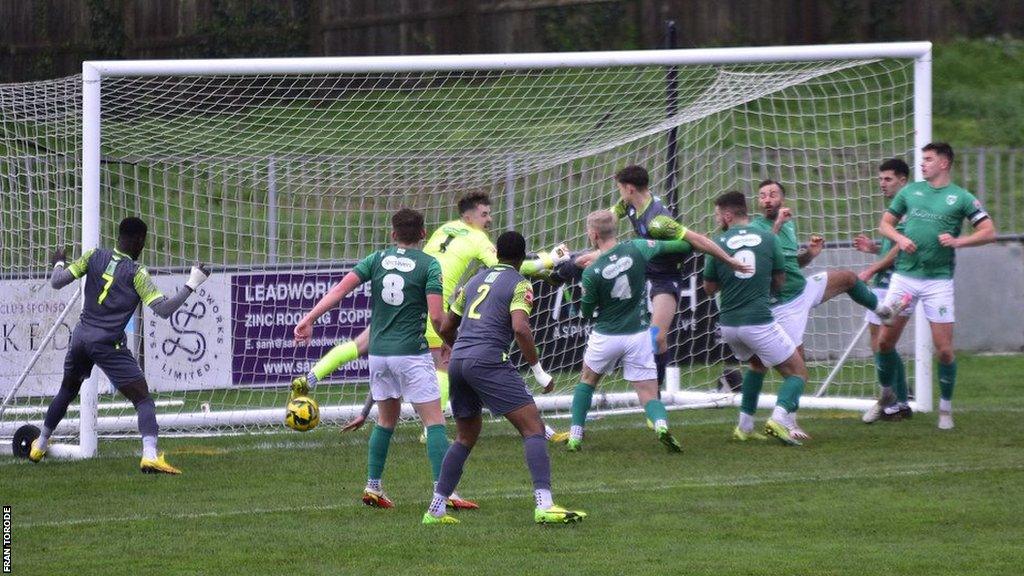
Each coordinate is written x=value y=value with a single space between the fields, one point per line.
x=576 y=432
x=659 y=424
x=945 y=405
x=543 y=498
x=746 y=422
x=548 y=432
x=904 y=405
x=437 y=505
x=149 y=447
x=780 y=415
x=44 y=438
x=373 y=484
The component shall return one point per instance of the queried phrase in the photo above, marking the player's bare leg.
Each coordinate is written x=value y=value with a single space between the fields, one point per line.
x=942 y=339
x=582 y=396
x=846 y=281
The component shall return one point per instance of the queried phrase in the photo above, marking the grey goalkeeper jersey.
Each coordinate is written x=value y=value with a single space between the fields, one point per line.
x=114 y=286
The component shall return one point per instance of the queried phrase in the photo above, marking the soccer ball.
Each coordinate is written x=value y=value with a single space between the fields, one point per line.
x=302 y=414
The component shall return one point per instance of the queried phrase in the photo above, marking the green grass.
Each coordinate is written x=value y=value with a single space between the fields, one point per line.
x=899 y=498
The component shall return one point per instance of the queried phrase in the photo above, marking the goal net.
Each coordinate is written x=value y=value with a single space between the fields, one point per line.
x=282 y=174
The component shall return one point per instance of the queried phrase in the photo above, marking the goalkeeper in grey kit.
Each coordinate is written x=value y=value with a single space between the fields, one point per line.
x=115 y=284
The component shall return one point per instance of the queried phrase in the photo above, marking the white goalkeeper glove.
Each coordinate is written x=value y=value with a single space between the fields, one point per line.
x=558 y=255
x=546 y=381
x=198 y=275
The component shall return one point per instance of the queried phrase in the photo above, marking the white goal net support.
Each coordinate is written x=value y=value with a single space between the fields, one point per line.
x=282 y=173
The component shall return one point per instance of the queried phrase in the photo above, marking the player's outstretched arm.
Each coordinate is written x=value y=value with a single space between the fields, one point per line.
x=62 y=274
x=545 y=261
x=157 y=302
x=705 y=245
x=528 y=348
x=357 y=422
x=304 y=329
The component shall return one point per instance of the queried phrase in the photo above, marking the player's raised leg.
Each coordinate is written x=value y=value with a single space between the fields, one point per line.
x=336 y=357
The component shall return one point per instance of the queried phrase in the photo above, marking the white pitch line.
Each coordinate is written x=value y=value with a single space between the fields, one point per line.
x=579 y=488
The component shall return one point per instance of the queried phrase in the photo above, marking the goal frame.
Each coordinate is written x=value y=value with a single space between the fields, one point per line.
x=94 y=73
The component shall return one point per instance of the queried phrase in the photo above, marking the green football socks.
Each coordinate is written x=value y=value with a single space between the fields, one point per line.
x=752 y=383
x=862 y=294
x=790 y=392
x=380 y=440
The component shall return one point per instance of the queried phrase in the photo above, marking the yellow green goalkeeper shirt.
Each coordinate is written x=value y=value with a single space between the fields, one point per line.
x=460 y=249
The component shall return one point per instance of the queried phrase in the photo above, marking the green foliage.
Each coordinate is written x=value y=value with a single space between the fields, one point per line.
x=253 y=30
x=586 y=27
x=893 y=498
x=978 y=92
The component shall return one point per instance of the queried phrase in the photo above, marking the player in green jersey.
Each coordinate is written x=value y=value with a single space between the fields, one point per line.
x=613 y=286
x=800 y=294
x=746 y=320
x=405 y=291
x=460 y=246
x=651 y=219
x=892 y=177
x=933 y=212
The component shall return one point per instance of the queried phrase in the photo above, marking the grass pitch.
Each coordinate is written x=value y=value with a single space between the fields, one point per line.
x=893 y=498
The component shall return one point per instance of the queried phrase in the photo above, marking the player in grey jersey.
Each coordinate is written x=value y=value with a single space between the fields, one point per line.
x=115 y=284
x=488 y=312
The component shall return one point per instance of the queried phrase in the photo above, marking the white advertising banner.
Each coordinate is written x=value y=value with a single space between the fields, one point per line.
x=191 y=349
x=28 y=308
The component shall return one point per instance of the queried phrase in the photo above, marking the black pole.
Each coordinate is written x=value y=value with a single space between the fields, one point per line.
x=671 y=103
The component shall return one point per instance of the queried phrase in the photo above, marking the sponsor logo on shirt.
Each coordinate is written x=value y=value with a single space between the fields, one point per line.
x=399 y=263
x=618 y=267
x=743 y=240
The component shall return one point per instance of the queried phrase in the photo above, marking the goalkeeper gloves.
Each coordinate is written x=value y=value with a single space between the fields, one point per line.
x=198 y=275
x=664 y=228
x=58 y=257
x=558 y=255
x=546 y=381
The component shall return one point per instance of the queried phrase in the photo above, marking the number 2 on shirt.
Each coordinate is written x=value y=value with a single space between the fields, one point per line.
x=483 y=290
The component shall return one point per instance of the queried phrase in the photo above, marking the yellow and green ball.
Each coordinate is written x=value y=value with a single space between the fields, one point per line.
x=302 y=414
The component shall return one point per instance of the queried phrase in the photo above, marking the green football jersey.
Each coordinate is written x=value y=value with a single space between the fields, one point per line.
x=615 y=285
x=786 y=239
x=400 y=279
x=929 y=212
x=882 y=277
x=745 y=298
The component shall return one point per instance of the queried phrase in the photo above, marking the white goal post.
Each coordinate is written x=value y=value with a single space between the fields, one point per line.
x=299 y=137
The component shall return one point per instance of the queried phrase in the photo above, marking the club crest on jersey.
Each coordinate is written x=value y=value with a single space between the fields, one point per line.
x=743 y=240
x=951 y=199
x=399 y=263
x=618 y=267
